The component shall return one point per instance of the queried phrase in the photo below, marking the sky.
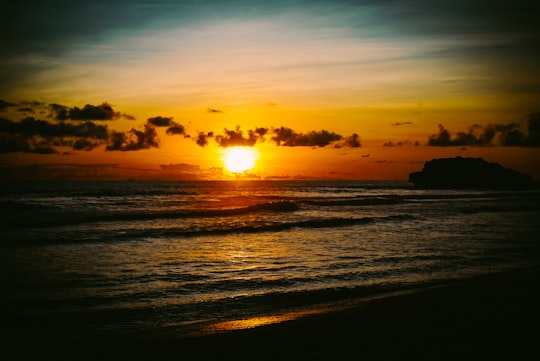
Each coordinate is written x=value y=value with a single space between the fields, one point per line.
x=144 y=89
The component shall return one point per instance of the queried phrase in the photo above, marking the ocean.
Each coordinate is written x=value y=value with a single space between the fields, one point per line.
x=175 y=258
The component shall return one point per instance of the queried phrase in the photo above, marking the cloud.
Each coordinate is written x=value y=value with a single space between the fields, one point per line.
x=491 y=135
x=176 y=129
x=236 y=137
x=181 y=167
x=128 y=117
x=104 y=111
x=17 y=143
x=133 y=139
x=202 y=138
x=212 y=110
x=173 y=127
x=67 y=127
x=289 y=138
x=281 y=136
x=401 y=143
x=43 y=128
x=85 y=144
x=160 y=121
x=352 y=141
x=397 y=124
x=49 y=30
x=4 y=105
x=39 y=136
x=190 y=171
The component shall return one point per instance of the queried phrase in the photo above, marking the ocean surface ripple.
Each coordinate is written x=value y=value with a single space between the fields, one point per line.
x=120 y=256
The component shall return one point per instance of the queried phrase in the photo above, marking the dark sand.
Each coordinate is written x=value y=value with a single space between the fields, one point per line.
x=494 y=317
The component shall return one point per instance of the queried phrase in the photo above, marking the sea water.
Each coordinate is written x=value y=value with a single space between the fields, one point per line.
x=103 y=258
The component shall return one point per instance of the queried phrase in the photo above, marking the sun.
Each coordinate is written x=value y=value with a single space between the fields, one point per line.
x=239 y=159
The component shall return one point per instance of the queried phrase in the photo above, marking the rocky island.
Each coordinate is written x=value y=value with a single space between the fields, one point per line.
x=462 y=172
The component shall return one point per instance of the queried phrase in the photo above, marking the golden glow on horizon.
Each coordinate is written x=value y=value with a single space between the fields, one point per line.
x=239 y=159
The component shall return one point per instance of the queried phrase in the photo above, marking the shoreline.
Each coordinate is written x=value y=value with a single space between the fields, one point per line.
x=495 y=317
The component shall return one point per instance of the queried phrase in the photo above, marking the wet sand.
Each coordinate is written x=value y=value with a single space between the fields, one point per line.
x=491 y=317
x=494 y=317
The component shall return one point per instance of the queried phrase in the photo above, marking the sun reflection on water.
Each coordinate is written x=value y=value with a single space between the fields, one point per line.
x=253 y=322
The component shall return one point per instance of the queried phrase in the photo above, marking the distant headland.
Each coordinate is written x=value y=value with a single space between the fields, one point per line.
x=461 y=172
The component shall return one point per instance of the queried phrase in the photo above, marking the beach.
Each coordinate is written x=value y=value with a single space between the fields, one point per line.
x=492 y=317
x=285 y=270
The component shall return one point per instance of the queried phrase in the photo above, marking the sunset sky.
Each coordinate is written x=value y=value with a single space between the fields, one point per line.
x=144 y=89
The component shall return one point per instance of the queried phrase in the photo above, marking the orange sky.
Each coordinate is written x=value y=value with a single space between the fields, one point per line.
x=360 y=87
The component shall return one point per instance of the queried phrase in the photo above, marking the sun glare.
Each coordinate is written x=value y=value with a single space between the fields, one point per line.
x=239 y=159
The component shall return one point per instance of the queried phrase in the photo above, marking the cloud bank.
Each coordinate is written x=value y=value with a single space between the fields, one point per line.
x=491 y=135
x=77 y=128
x=83 y=129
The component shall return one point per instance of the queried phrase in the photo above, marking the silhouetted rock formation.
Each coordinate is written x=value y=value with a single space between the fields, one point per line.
x=467 y=173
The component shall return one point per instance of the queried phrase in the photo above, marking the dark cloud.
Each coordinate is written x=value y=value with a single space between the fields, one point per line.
x=39 y=136
x=33 y=135
x=104 y=111
x=133 y=139
x=12 y=143
x=176 y=129
x=442 y=139
x=202 y=138
x=281 y=136
x=289 y=138
x=353 y=141
x=93 y=112
x=397 y=124
x=173 y=127
x=236 y=137
x=160 y=121
x=32 y=126
x=4 y=105
x=181 y=171
x=400 y=143
x=490 y=135
x=212 y=110
x=181 y=167
x=189 y=171
x=85 y=144
x=59 y=112
x=32 y=103
x=66 y=127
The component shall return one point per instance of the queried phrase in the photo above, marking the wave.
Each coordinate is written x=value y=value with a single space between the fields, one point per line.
x=62 y=219
x=168 y=233
x=356 y=201
x=311 y=223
